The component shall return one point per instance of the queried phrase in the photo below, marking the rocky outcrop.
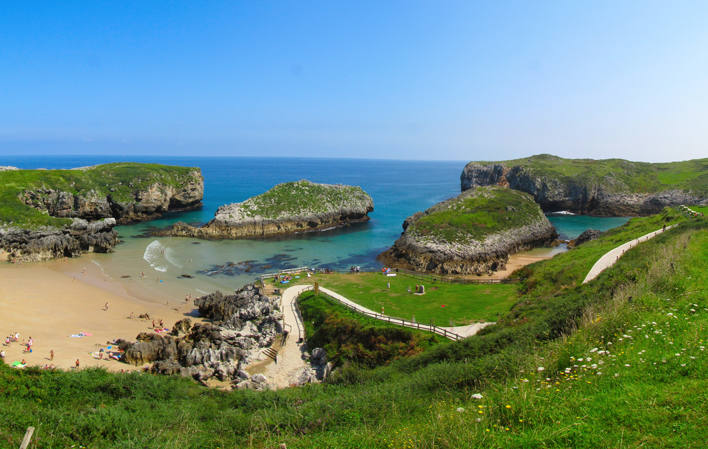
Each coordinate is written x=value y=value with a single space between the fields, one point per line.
x=240 y=326
x=80 y=207
x=478 y=248
x=290 y=208
x=140 y=204
x=586 y=236
x=32 y=245
x=605 y=194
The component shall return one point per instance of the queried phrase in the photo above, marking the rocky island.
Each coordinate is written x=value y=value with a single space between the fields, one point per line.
x=610 y=187
x=288 y=208
x=473 y=233
x=46 y=214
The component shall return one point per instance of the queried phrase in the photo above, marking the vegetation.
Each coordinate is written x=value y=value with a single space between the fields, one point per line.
x=301 y=198
x=618 y=362
x=444 y=303
x=350 y=337
x=618 y=174
x=477 y=213
x=119 y=180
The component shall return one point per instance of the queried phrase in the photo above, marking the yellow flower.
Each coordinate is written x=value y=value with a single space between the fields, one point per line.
x=508 y=406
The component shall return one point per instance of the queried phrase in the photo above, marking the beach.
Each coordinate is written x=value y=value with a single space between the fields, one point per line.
x=41 y=301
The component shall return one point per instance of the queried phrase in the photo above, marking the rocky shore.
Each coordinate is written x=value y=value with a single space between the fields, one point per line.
x=286 y=209
x=606 y=194
x=480 y=246
x=240 y=327
x=33 y=245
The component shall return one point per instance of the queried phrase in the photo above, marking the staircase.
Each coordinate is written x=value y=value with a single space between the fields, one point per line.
x=272 y=353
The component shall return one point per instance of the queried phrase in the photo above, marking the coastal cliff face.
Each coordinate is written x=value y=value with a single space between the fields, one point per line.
x=46 y=214
x=473 y=233
x=602 y=188
x=289 y=208
x=140 y=203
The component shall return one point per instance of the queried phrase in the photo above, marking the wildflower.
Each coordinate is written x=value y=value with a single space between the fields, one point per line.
x=508 y=406
x=476 y=396
x=460 y=409
x=540 y=368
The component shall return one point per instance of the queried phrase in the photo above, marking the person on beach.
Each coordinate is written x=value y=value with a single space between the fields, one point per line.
x=153 y=324
x=2 y=354
x=105 y=307
x=51 y=355
x=7 y=340
x=76 y=364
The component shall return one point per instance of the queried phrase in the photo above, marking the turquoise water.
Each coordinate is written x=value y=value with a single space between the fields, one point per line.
x=399 y=189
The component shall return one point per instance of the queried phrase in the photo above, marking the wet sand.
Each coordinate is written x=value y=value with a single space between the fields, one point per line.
x=41 y=301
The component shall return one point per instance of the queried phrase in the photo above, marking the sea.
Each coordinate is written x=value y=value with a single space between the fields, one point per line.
x=180 y=266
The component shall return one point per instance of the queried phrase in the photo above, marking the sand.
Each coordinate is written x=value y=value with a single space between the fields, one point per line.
x=49 y=305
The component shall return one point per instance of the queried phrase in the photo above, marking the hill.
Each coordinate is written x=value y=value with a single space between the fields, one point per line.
x=610 y=187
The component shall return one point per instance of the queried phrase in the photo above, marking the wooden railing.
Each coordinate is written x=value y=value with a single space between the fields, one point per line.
x=394 y=320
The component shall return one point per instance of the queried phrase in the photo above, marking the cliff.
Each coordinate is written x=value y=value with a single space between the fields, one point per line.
x=473 y=233
x=611 y=187
x=289 y=208
x=56 y=213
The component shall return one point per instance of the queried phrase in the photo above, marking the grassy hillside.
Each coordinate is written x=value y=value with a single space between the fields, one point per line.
x=477 y=213
x=618 y=362
x=619 y=174
x=352 y=338
x=120 y=180
x=302 y=197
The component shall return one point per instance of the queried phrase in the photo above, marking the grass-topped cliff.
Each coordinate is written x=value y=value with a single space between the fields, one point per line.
x=288 y=208
x=471 y=233
x=601 y=187
x=618 y=362
x=33 y=198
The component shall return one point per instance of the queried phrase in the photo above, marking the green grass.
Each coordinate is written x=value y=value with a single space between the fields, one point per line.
x=119 y=180
x=463 y=303
x=618 y=174
x=350 y=337
x=302 y=197
x=656 y=289
x=474 y=214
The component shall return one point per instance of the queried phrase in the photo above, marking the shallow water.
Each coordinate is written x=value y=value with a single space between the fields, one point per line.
x=155 y=265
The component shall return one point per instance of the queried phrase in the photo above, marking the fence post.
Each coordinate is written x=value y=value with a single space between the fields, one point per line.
x=27 y=438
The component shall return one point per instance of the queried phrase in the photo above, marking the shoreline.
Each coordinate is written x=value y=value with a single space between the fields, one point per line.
x=49 y=304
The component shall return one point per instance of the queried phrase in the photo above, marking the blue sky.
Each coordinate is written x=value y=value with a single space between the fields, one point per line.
x=395 y=79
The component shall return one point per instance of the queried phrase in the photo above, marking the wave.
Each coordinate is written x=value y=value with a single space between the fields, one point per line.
x=155 y=256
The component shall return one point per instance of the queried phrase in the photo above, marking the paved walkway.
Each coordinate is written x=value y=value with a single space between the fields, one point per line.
x=612 y=256
x=290 y=361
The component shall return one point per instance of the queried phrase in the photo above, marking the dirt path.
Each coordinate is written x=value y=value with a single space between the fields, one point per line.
x=612 y=256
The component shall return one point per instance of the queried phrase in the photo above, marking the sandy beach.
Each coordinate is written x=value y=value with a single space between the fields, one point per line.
x=40 y=301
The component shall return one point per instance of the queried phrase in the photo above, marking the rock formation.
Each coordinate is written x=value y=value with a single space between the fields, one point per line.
x=240 y=326
x=602 y=188
x=473 y=233
x=586 y=236
x=44 y=243
x=289 y=208
x=140 y=204
x=63 y=213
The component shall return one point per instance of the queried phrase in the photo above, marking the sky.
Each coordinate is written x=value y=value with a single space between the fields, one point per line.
x=439 y=79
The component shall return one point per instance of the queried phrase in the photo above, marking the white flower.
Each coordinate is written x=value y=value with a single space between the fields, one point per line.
x=476 y=396
x=540 y=368
x=460 y=410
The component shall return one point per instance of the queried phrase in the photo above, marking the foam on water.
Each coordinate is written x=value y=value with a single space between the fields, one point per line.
x=155 y=256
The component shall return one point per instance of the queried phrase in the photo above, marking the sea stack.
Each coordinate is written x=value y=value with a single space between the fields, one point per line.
x=473 y=233
x=286 y=209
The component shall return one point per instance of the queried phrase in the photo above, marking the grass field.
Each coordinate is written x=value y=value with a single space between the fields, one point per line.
x=444 y=304
x=620 y=362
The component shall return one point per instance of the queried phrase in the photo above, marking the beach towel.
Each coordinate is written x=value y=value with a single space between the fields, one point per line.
x=17 y=365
